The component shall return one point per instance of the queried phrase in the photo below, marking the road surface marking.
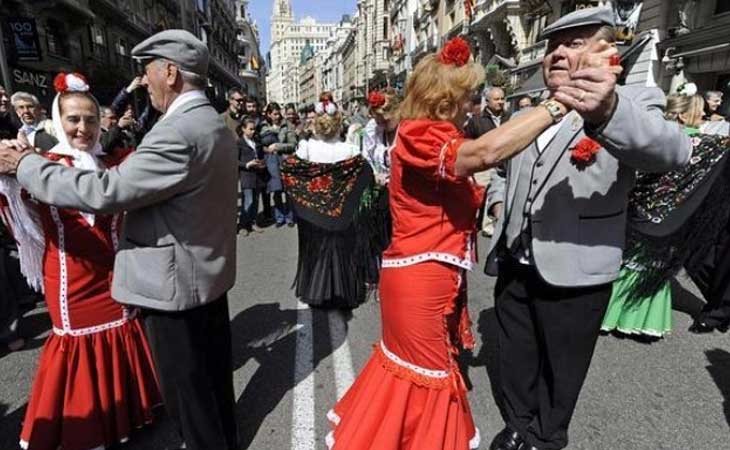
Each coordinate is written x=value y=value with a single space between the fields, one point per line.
x=302 y=437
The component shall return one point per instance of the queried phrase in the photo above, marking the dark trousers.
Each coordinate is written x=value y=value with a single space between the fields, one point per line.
x=249 y=207
x=192 y=354
x=546 y=337
x=710 y=271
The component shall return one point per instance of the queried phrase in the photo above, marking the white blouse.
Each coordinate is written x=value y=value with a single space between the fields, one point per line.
x=320 y=151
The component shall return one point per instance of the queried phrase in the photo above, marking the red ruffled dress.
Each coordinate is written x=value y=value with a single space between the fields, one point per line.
x=95 y=380
x=410 y=395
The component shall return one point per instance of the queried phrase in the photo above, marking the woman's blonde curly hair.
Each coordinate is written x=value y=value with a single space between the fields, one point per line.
x=328 y=126
x=437 y=91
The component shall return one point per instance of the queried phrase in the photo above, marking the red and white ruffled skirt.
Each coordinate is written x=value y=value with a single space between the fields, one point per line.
x=91 y=391
x=410 y=395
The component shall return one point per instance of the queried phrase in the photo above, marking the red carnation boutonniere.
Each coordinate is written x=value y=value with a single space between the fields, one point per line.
x=456 y=52
x=583 y=154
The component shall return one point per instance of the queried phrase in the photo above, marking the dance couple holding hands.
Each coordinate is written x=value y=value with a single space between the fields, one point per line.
x=565 y=172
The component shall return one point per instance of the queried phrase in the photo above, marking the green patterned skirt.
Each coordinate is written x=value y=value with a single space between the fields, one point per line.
x=651 y=316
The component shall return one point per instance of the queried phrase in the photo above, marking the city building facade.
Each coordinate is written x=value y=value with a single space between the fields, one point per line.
x=96 y=37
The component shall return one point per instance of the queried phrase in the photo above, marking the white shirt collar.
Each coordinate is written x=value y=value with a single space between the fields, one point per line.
x=183 y=99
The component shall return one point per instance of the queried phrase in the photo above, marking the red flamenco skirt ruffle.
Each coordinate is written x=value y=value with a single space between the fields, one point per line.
x=391 y=408
x=91 y=391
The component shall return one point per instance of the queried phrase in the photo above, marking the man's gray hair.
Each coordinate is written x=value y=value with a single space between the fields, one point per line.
x=21 y=96
x=709 y=94
x=106 y=110
x=489 y=89
x=191 y=78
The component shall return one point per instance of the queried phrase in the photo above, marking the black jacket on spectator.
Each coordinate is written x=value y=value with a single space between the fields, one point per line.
x=9 y=126
x=483 y=123
x=250 y=178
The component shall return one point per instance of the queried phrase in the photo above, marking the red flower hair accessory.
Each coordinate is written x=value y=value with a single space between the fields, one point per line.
x=584 y=152
x=456 y=52
x=70 y=82
x=376 y=99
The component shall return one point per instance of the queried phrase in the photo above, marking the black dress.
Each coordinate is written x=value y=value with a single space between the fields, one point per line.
x=333 y=225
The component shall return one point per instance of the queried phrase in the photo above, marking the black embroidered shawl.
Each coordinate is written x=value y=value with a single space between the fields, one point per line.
x=677 y=214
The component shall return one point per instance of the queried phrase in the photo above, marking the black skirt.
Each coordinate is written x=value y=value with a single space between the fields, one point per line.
x=328 y=274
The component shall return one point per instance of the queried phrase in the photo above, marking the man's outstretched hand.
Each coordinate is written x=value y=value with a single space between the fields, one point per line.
x=12 y=151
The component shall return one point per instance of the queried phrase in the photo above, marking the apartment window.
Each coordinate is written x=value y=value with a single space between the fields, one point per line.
x=56 y=38
x=97 y=41
x=722 y=7
x=385 y=28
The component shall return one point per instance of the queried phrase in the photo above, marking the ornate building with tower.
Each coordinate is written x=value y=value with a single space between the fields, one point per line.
x=288 y=39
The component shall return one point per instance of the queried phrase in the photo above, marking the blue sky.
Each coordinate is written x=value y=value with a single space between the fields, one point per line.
x=322 y=10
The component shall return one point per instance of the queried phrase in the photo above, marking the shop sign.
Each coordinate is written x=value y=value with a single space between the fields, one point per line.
x=37 y=83
x=21 y=39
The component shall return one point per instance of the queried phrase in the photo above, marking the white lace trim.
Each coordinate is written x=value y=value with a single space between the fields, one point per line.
x=464 y=263
x=333 y=417
x=418 y=369
x=442 y=160
x=126 y=316
x=474 y=442
x=63 y=287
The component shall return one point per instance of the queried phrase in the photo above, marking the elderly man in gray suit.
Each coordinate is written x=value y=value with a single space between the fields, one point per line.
x=558 y=242
x=177 y=250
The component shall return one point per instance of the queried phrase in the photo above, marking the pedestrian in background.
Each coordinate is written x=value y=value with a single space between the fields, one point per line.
x=26 y=107
x=122 y=105
x=524 y=102
x=251 y=169
x=170 y=264
x=277 y=140
x=325 y=182
x=233 y=115
x=9 y=123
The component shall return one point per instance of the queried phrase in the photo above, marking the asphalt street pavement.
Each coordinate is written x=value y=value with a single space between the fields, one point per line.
x=291 y=363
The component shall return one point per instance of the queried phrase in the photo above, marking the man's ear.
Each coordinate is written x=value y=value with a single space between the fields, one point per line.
x=172 y=74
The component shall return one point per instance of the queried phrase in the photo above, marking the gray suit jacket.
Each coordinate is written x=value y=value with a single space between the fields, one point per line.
x=578 y=216
x=178 y=244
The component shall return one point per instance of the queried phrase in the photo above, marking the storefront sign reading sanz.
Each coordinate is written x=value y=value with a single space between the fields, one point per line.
x=21 y=39
x=38 y=83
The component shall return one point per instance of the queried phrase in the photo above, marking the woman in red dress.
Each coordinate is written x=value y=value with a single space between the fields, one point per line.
x=95 y=381
x=410 y=395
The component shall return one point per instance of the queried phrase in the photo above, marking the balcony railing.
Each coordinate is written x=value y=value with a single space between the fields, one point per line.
x=533 y=52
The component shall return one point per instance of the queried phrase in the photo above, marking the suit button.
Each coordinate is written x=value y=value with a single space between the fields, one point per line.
x=540 y=164
x=534 y=181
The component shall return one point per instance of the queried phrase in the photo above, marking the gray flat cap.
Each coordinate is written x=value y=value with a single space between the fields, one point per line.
x=178 y=46
x=599 y=15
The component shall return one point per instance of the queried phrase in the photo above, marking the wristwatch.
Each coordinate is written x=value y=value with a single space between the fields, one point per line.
x=556 y=112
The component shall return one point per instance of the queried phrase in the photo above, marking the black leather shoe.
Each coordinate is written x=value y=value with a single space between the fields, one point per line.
x=507 y=439
x=702 y=326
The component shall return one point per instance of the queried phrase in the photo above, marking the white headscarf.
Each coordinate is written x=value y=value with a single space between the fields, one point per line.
x=86 y=160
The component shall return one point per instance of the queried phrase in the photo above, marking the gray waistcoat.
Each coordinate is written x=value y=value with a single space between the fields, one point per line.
x=517 y=231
